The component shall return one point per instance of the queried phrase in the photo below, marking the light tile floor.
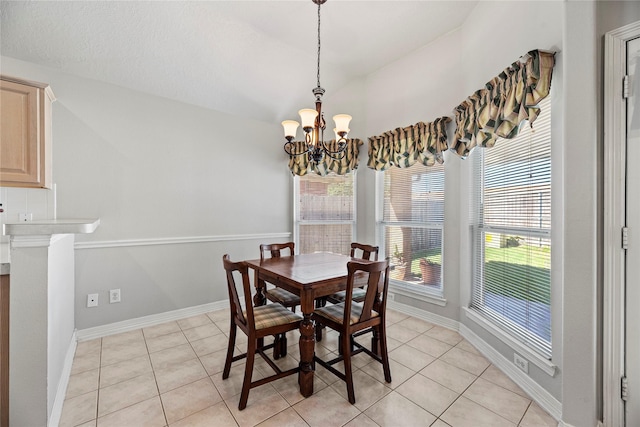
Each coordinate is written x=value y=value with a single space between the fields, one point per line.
x=171 y=375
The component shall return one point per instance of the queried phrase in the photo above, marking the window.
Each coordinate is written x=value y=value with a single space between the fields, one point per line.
x=325 y=213
x=511 y=221
x=411 y=225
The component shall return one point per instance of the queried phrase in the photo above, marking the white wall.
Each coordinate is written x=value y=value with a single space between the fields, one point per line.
x=154 y=170
x=487 y=50
x=404 y=92
x=28 y=337
x=428 y=84
x=42 y=325
x=421 y=87
x=60 y=311
x=580 y=278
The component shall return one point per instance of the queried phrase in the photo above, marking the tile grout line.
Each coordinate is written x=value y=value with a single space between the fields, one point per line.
x=155 y=379
x=331 y=387
x=99 y=379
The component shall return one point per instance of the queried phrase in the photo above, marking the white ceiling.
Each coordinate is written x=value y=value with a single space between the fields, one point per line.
x=252 y=58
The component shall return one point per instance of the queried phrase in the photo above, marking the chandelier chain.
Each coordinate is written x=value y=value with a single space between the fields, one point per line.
x=318 y=44
x=315 y=147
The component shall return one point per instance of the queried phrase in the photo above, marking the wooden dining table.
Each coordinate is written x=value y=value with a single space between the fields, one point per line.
x=309 y=276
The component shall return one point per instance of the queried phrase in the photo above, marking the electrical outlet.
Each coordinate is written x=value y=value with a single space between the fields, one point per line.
x=26 y=217
x=92 y=300
x=114 y=296
x=521 y=362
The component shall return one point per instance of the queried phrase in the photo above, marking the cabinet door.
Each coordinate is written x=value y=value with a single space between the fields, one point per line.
x=21 y=144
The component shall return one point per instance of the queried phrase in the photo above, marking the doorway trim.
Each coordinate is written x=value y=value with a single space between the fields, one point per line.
x=614 y=220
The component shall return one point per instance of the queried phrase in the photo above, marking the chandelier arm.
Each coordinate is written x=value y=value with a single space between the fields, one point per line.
x=289 y=148
x=340 y=155
x=341 y=151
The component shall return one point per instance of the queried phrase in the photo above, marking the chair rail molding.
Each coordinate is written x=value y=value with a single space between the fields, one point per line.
x=179 y=240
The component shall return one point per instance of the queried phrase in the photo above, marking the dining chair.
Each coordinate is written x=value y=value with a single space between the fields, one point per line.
x=257 y=323
x=275 y=294
x=361 y=251
x=350 y=317
x=279 y=295
x=358 y=250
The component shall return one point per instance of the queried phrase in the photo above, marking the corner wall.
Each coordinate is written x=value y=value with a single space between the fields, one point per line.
x=432 y=81
x=175 y=186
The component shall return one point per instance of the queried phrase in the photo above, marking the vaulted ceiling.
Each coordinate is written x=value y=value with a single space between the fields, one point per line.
x=251 y=58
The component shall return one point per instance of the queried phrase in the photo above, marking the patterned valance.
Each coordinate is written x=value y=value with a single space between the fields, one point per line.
x=508 y=99
x=403 y=147
x=300 y=165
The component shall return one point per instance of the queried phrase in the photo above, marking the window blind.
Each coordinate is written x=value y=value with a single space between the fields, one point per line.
x=325 y=213
x=511 y=214
x=412 y=218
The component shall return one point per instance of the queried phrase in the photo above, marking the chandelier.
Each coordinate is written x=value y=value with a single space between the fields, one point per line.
x=314 y=125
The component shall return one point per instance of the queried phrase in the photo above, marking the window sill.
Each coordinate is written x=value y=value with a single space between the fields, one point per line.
x=537 y=359
x=415 y=292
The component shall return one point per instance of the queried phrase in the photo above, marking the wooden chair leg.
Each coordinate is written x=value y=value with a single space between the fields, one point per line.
x=375 y=342
x=279 y=346
x=283 y=345
x=232 y=343
x=384 y=354
x=276 y=346
x=345 y=340
x=340 y=348
x=248 y=372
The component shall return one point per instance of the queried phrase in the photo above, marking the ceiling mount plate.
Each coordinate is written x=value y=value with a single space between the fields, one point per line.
x=319 y=2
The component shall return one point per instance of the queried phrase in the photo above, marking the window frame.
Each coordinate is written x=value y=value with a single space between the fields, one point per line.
x=414 y=291
x=297 y=222
x=518 y=336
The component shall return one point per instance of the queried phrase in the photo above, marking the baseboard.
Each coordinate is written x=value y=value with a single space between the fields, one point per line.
x=436 y=319
x=563 y=424
x=56 y=410
x=541 y=396
x=146 y=321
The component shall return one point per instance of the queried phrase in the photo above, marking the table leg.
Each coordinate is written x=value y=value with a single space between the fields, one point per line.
x=307 y=343
x=260 y=298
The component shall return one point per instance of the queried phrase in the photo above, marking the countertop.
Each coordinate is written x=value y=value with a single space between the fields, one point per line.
x=51 y=226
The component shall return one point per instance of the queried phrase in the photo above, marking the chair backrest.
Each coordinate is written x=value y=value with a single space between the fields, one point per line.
x=377 y=277
x=367 y=251
x=240 y=268
x=275 y=248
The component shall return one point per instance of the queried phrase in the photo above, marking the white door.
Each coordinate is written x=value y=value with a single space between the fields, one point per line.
x=632 y=329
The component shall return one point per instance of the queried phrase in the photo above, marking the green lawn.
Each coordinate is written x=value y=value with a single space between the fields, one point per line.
x=520 y=272
x=432 y=255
